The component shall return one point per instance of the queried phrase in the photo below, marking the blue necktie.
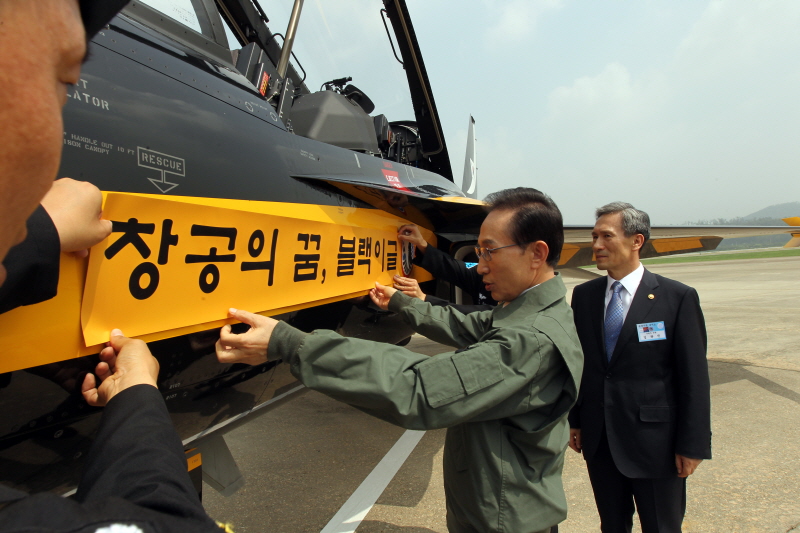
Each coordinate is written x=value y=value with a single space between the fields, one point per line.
x=613 y=323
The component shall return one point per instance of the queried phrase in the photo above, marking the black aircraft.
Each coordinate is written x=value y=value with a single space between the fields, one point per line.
x=223 y=166
x=230 y=183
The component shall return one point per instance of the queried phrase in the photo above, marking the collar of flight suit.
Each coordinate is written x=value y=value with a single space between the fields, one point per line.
x=530 y=302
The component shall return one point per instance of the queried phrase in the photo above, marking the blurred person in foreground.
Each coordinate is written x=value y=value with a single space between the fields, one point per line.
x=503 y=394
x=135 y=479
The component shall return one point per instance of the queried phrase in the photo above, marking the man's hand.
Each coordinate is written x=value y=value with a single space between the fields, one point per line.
x=249 y=347
x=410 y=233
x=686 y=465
x=76 y=209
x=575 y=439
x=381 y=295
x=409 y=287
x=123 y=363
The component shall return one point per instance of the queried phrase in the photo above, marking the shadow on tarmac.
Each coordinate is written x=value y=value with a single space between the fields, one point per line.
x=727 y=371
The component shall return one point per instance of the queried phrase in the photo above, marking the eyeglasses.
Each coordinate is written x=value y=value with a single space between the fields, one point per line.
x=486 y=253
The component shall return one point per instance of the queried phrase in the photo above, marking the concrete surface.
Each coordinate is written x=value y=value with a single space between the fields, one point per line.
x=304 y=458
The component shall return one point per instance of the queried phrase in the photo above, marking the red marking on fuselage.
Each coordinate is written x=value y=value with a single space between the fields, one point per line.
x=393 y=178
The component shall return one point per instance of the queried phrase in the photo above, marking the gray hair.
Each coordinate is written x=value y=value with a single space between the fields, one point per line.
x=633 y=220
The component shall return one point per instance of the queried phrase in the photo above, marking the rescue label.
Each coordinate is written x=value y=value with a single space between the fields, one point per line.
x=163 y=162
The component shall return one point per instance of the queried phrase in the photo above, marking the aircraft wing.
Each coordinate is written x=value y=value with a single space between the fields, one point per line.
x=672 y=240
x=412 y=197
x=458 y=218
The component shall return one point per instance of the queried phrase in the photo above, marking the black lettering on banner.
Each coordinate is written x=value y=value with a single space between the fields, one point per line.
x=256 y=249
x=365 y=247
x=209 y=276
x=365 y=251
x=167 y=239
x=135 y=282
x=391 y=257
x=377 y=249
x=306 y=238
x=131 y=231
x=306 y=265
x=346 y=257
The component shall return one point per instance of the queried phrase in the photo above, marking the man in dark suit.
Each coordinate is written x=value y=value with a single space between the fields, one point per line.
x=642 y=420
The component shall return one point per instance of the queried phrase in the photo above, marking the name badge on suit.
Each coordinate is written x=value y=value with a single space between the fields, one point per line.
x=651 y=331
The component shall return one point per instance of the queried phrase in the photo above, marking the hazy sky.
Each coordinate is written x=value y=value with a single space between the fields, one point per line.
x=686 y=108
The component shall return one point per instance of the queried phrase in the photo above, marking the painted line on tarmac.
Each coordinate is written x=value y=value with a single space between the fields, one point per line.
x=360 y=503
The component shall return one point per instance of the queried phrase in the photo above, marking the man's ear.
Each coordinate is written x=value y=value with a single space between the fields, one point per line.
x=539 y=253
x=638 y=242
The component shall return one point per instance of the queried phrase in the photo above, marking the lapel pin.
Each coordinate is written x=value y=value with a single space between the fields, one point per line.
x=651 y=296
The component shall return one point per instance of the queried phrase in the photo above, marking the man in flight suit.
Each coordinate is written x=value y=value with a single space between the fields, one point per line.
x=505 y=392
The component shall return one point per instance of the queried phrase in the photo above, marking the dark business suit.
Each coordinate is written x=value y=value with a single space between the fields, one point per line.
x=648 y=403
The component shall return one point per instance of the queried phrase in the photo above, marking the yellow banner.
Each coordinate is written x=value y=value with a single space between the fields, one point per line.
x=174 y=266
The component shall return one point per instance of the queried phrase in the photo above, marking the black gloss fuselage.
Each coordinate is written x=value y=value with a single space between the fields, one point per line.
x=153 y=116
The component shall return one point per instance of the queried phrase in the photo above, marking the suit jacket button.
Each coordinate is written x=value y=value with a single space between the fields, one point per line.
x=608 y=376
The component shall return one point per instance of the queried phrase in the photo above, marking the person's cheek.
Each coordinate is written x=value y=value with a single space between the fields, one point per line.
x=62 y=93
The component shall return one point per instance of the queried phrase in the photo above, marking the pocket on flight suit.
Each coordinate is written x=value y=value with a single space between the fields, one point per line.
x=448 y=379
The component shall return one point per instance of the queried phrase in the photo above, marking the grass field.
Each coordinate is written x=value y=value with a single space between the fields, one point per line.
x=789 y=252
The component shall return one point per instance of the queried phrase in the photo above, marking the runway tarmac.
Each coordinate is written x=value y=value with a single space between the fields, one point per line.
x=305 y=459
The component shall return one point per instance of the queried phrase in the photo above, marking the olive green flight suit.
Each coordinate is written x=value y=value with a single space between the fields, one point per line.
x=504 y=395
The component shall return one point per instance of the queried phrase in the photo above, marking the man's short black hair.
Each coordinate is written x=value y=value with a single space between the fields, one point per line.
x=536 y=218
x=97 y=13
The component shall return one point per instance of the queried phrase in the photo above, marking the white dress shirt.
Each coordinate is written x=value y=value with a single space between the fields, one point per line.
x=630 y=284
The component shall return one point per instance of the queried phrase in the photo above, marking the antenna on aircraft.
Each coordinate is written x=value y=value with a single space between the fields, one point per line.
x=470 y=183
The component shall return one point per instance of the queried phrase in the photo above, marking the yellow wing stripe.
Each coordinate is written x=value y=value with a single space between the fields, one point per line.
x=675 y=245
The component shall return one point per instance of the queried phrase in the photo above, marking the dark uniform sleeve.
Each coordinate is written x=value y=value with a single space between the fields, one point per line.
x=694 y=387
x=483 y=380
x=135 y=475
x=575 y=413
x=32 y=265
x=441 y=265
x=138 y=456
